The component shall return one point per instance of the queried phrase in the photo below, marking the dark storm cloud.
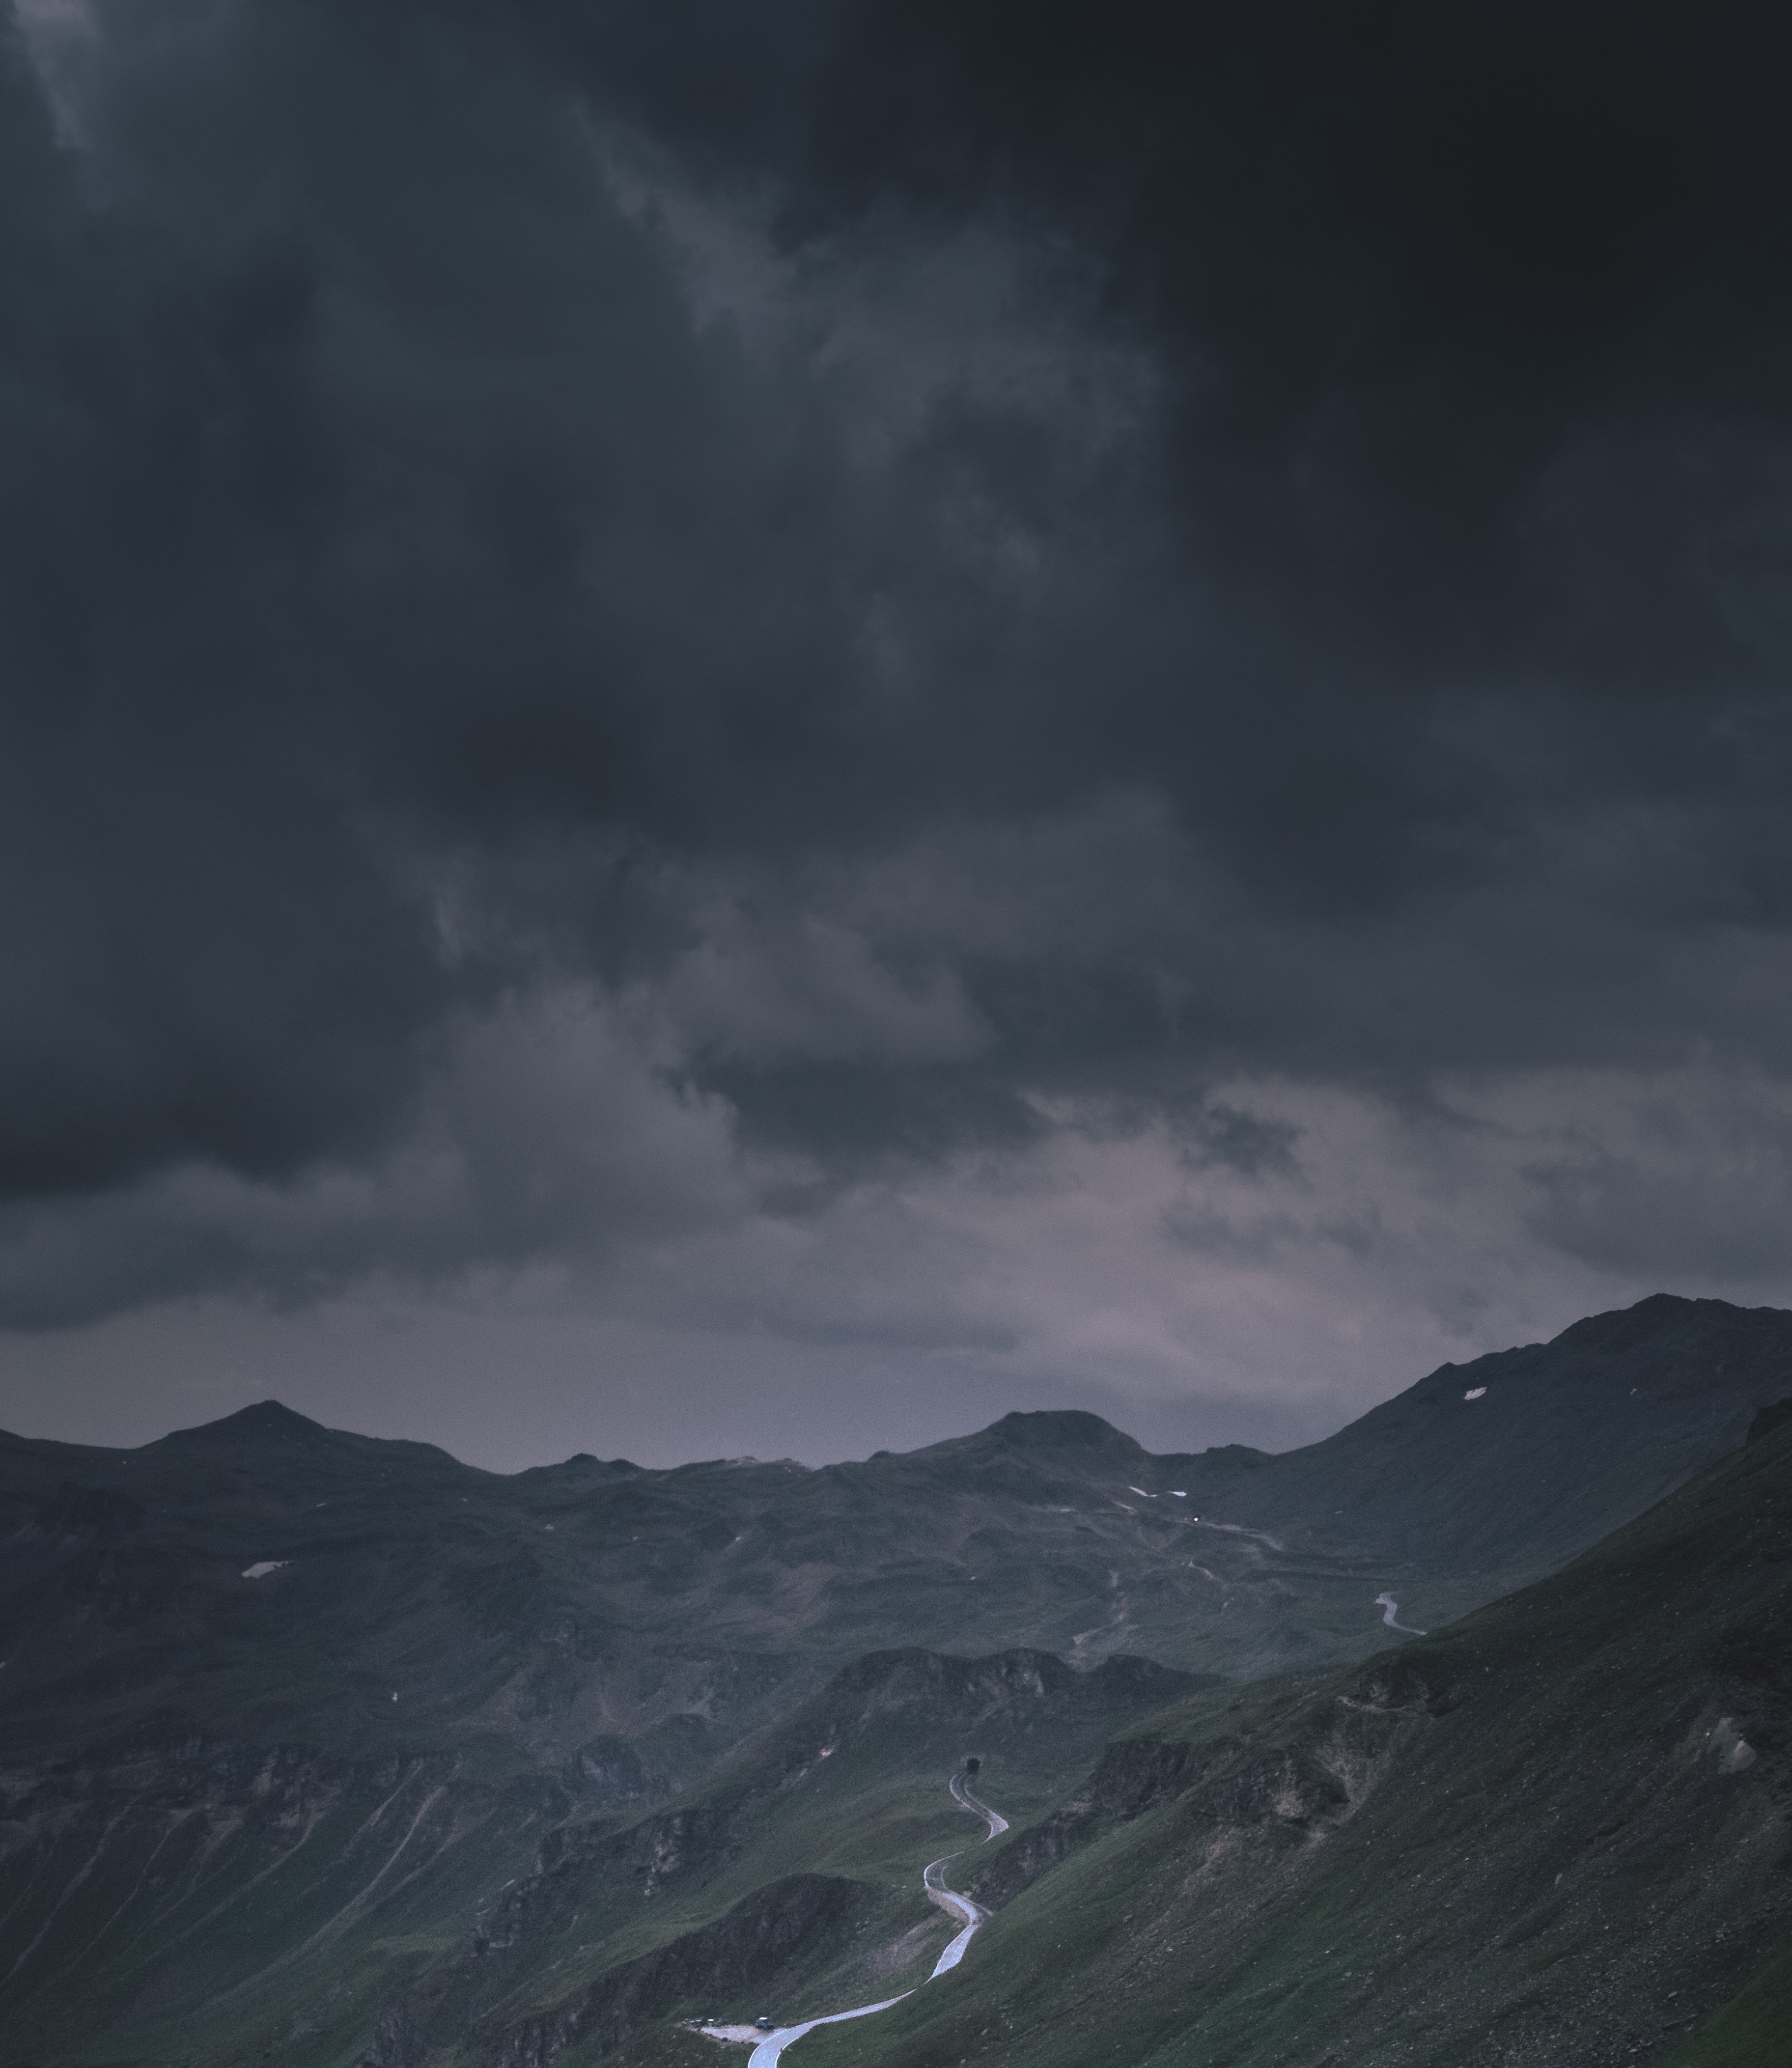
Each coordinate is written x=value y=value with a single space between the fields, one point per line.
x=323 y=371
x=1399 y=254
x=203 y=956
x=1473 y=324
x=954 y=554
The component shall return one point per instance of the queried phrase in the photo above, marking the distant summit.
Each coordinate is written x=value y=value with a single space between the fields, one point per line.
x=1516 y=1460
x=1057 y=1429
x=264 y=1422
x=1664 y=1322
x=267 y=1427
x=1031 y=1456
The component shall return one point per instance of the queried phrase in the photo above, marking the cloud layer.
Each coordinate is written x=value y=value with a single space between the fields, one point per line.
x=1098 y=692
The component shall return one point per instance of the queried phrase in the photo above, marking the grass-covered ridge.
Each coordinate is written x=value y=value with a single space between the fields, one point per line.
x=1529 y=1838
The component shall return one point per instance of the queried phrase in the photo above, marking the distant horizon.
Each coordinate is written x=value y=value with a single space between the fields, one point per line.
x=337 y=1429
x=816 y=1464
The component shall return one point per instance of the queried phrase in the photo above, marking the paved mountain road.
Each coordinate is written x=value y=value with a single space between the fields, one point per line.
x=961 y=1907
x=1388 y=1602
x=768 y=2049
x=960 y=1785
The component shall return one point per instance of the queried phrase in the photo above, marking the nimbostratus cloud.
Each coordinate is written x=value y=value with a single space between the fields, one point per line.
x=612 y=636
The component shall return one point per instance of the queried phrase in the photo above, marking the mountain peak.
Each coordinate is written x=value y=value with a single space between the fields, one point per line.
x=1048 y=1440
x=1056 y=1429
x=261 y=1422
x=1649 y=1319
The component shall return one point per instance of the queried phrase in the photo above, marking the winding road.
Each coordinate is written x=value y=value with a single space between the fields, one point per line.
x=973 y=1914
x=1388 y=1602
x=969 y=1914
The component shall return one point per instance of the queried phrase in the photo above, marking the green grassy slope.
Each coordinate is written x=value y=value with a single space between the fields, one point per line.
x=1528 y=1839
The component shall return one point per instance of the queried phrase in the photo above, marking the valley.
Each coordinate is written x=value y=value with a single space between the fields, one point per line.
x=488 y=1772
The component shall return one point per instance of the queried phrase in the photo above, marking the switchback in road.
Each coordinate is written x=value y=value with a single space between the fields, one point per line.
x=973 y=1914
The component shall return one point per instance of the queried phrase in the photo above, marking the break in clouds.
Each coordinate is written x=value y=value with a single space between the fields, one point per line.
x=1050 y=704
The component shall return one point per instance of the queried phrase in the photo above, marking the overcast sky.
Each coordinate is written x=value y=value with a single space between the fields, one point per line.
x=766 y=728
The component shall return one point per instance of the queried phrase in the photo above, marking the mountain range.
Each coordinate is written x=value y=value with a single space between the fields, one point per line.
x=332 y=1750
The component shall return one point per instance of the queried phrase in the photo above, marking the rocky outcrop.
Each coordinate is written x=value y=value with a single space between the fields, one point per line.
x=1302 y=1785
x=399 y=2040
x=1134 y=1775
x=643 y=1856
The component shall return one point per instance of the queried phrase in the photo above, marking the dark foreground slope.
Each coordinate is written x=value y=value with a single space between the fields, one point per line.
x=1557 y=1833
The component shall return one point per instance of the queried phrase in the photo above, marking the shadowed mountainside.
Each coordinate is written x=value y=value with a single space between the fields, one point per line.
x=279 y=1804
x=1560 y=1830
x=1561 y=1442
x=623 y=1627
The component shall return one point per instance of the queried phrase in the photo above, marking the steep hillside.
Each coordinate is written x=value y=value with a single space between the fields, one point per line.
x=1523 y=1457
x=1560 y=1831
